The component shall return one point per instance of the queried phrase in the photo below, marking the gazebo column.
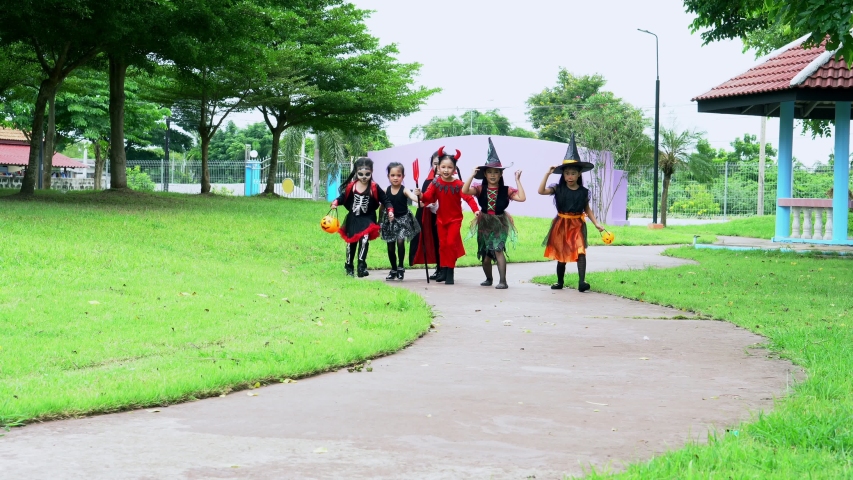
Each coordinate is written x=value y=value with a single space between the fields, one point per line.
x=785 y=169
x=841 y=173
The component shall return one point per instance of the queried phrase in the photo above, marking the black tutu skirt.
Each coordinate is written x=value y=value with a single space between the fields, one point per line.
x=402 y=228
x=355 y=227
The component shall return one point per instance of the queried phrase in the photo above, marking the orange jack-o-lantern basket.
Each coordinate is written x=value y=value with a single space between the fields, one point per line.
x=607 y=237
x=330 y=223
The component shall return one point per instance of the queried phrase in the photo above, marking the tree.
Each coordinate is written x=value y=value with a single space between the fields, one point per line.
x=472 y=122
x=326 y=73
x=60 y=41
x=83 y=113
x=602 y=120
x=678 y=151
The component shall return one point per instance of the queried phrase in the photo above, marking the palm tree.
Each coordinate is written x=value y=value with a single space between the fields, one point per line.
x=678 y=151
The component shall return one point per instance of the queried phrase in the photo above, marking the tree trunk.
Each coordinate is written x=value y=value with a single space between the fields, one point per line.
x=99 y=165
x=118 y=156
x=315 y=174
x=46 y=89
x=205 y=172
x=273 y=168
x=49 y=141
x=663 y=194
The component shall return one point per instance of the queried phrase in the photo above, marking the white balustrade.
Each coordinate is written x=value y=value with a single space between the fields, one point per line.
x=812 y=223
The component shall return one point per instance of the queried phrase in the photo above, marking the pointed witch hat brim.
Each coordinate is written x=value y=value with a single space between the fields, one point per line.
x=492 y=161
x=572 y=159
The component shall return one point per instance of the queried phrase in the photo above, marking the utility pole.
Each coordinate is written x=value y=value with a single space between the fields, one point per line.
x=761 y=158
x=657 y=127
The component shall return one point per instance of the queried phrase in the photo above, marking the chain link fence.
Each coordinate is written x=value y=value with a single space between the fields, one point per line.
x=731 y=192
x=227 y=177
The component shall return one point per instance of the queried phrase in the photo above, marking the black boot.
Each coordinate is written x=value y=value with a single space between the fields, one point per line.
x=582 y=285
x=561 y=273
x=400 y=273
x=448 y=276
x=392 y=275
x=362 y=269
x=441 y=275
x=435 y=274
x=349 y=269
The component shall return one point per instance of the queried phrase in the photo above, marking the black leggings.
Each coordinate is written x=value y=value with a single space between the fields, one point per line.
x=399 y=253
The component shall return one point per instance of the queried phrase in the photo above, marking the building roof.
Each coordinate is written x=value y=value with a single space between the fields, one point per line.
x=13 y=135
x=20 y=155
x=811 y=78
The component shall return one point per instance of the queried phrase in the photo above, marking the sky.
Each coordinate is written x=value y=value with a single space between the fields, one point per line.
x=485 y=56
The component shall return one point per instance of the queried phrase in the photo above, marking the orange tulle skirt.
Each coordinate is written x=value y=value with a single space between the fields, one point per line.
x=567 y=238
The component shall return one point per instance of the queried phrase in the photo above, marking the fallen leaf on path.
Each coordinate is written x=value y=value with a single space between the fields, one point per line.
x=257 y=385
x=644 y=358
x=593 y=403
x=288 y=380
x=154 y=411
x=321 y=450
x=252 y=394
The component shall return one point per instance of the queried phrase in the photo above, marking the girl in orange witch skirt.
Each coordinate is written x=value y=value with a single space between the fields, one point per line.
x=566 y=241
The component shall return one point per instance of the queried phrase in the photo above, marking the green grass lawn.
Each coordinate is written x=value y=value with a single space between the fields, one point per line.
x=802 y=304
x=111 y=301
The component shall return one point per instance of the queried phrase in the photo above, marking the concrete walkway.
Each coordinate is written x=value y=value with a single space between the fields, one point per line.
x=572 y=380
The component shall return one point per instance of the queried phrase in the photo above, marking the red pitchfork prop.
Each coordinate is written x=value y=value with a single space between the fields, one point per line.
x=416 y=173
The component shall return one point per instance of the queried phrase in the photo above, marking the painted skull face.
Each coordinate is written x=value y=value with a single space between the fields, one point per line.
x=364 y=175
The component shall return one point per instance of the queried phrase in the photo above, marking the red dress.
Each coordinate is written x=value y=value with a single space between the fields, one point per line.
x=449 y=217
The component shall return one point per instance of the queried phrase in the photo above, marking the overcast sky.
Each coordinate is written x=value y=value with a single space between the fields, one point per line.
x=483 y=56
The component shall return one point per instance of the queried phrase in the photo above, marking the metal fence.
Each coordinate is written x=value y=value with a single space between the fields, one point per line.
x=227 y=177
x=730 y=192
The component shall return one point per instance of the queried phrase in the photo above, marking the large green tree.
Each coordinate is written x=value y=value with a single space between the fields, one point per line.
x=62 y=35
x=472 y=122
x=325 y=72
x=600 y=119
x=753 y=19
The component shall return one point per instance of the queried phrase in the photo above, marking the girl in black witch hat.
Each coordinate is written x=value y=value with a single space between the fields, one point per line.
x=362 y=197
x=402 y=227
x=566 y=240
x=493 y=228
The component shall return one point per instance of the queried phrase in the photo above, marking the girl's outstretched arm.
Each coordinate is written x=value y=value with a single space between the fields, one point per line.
x=543 y=189
x=410 y=195
x=519 y=196
x=591 y=216
x=466 y=189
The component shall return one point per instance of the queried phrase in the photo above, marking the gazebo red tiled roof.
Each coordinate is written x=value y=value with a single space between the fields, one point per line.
x=811 y=78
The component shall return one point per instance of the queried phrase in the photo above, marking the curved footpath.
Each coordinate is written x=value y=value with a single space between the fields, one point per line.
x=571 y=382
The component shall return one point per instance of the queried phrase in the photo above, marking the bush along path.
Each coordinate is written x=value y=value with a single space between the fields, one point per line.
x=802 y=304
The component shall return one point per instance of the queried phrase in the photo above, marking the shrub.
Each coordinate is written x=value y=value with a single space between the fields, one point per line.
x=139 y=180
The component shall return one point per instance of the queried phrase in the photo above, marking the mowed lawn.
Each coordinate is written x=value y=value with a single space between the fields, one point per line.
x=113 y=301
x=803 y=305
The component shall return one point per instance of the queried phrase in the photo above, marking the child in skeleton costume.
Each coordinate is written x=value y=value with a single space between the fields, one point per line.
x=566 y=240
x=493 y=228
x=403 y=227
x=425 y=248
x=362 y=197
x=448 y=192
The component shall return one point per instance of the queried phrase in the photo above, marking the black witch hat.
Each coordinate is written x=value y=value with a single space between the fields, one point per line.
x=573 y=159
x=492 y=161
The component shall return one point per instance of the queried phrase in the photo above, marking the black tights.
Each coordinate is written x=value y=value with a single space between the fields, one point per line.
x=363 y=245
x=501 y=261
x=561 y=270
x=399 y=253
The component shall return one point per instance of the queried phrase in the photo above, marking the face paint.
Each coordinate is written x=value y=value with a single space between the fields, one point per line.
x=364 y=175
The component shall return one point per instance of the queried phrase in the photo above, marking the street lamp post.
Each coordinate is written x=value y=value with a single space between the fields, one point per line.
x=167 y=176
x=657 y=126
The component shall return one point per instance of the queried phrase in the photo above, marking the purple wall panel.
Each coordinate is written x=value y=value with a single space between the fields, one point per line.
x=533 y=157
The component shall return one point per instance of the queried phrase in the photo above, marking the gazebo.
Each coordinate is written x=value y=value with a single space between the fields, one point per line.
x=795 y=82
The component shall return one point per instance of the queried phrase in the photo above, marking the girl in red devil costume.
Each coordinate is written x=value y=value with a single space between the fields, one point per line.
x=447 y=191
x=360 y=195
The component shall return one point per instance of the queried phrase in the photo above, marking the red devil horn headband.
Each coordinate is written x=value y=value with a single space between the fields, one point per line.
x=441 y=153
